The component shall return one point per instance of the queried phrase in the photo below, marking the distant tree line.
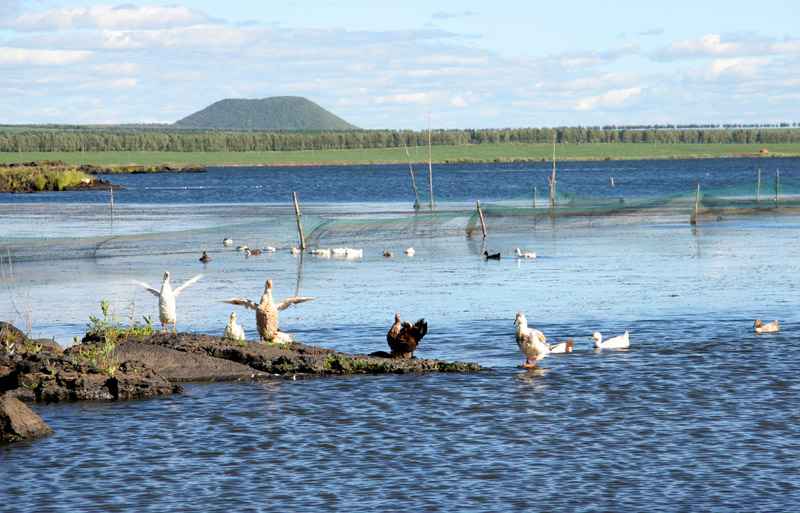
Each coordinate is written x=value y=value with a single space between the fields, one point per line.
x=19 y=139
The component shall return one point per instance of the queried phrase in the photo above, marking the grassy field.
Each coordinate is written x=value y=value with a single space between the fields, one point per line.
x=441 y=154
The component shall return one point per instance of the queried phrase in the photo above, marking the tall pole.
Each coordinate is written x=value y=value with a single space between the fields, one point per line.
x=111 y=201
x=430 y=164
x=535 y=193
x=777 y=185
x=413 y=178
x=758 y=187
x=552 y=181
x=480 y=217
x=693 y=219
x=299 y=223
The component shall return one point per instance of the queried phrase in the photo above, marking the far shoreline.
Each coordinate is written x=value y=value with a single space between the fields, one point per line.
x=508 y=153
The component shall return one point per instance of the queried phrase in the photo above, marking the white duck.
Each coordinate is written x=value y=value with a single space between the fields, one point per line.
x=352 y=254
x=233 y=331
x=531 y=342
x=766 y=327
x=562 y=347
x=619 y=342
x=267 y=313
x=270 y=249
x=324 y=253
x=339 y=252
x=166 y=299
x=294 y=250
x=227 y=241
x=525 y=254
x=410 y=252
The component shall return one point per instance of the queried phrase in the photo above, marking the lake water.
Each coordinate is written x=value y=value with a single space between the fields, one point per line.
x=700 y=414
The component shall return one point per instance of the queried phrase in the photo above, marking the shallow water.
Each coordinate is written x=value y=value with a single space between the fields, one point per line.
x=699 y=415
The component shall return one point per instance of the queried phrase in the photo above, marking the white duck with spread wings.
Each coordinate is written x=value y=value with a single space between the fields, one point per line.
x=267 y=313
x=167 y=312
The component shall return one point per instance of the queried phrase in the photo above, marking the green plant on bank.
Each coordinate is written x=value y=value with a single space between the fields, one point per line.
x=41 y=177
x=110 y=331
x=9 y=347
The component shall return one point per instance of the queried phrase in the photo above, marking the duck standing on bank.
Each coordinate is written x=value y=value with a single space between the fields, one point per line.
x=234 y=331
x=267 y=313
x=404 y=338
x=166 y=299
x=766 y=327
x=531 y=342
x=620 y=342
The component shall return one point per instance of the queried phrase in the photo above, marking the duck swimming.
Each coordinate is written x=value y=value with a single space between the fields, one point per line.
x=531 y=342
x=387 y=253
x=524 y=254
x=227 y=241
x=166 y=299
x=205 y=258
x=410 y=252
x=491 y=256
x=267 y=313
x=233 y=331
x=404 y=338
x=620 y=342
x=766 y=327
x=562 y=347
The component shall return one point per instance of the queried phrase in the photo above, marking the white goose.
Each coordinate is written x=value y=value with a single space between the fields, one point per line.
x=339 y=252
x=270 y=249
x=227 y=241
x=619 y=342
x=267 y=313
x=233 y=331
x=324 y=253
x=166 y=299
x=531 y=342
x=524 y=254
x=410 y=252
x=353 y=254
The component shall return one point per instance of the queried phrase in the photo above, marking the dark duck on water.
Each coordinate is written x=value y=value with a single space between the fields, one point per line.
x=403 y=337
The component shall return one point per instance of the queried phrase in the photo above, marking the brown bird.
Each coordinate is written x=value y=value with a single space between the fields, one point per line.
x=205 y=258
x=267 y=313
x=403 y=337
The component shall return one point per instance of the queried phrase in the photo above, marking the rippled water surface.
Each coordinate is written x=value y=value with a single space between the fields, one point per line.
x=699 y=415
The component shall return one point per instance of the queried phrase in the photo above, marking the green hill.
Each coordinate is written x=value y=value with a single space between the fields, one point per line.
x=276 y=113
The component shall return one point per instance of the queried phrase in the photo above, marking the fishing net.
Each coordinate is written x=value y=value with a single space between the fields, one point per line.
x=48 y=231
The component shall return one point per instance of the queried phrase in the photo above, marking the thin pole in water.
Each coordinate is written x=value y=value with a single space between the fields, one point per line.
x=430 y=164
x=413 y=178
x=480 y=216
x=553 y=176
x=111 y=201
x=693 y=218
x=535 y=193
x=758 y=187
x=299 y=223
x=777 y=185
x=612 y=182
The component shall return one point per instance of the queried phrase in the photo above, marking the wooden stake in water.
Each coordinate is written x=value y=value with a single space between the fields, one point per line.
x=693 y=218
x=758 y=187
x=299 y=223
x=111 y=202
x=413 y=179
x=430 y=165
x=481 y=218
x=535 y=193
x=777 y=185
x=612 y=182
x=552 y=180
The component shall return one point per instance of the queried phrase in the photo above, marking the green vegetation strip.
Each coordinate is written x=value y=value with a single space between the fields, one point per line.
x=508 y=152
x=42 y=178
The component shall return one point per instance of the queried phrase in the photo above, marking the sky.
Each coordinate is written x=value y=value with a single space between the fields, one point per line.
x=463 y=64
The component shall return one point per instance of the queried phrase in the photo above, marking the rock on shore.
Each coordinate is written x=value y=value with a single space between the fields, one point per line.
x=18 y=422
x=259 y=359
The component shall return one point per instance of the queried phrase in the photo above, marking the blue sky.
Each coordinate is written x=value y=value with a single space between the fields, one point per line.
x=468 y=64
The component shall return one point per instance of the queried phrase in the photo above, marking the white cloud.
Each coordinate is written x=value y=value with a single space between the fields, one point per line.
x=406 y=99
x=740 y=67
x=123 y=17
x=29 y=57
x=611 y=99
